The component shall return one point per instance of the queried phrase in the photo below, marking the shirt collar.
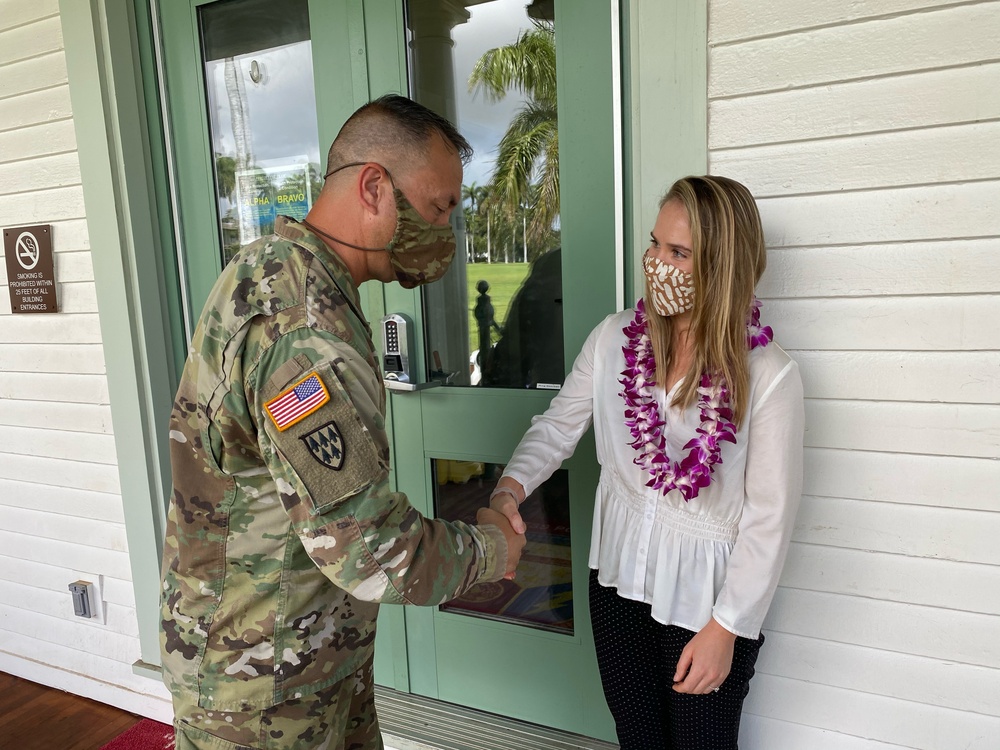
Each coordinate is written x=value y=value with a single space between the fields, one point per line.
x=294 y=231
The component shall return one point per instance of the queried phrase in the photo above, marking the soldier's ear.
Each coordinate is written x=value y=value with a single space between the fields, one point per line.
x=372 y=183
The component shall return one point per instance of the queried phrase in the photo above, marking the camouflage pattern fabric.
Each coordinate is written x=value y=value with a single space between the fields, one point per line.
x=420 y=252
x=340 y=717
x=283 y=536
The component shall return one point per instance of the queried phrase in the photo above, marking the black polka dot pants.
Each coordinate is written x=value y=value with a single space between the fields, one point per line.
x=637 y=657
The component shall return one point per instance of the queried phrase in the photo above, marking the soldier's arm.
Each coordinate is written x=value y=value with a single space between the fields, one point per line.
x=316 y=403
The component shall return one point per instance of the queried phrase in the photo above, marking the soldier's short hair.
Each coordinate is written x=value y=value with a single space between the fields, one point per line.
x=392 y=128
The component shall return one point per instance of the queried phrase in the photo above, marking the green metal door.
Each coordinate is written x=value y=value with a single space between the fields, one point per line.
x=255 y=90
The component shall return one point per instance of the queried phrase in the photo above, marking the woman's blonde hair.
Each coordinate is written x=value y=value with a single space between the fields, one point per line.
x=729 y=258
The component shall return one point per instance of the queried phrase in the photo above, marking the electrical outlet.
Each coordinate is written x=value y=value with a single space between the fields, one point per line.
x=87 y=595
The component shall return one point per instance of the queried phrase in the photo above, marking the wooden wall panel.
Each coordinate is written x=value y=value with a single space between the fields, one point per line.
x=868 y=132
x=911 y=530
x=944 y=266
x=53 y=358
x=62 y=329
x=65 y=501
x=37 y=140
x=42 y=206
x=70 y=388
x=950 y=36
x=864 y=162
x=48 y=415
x=945 y=481
x=33 y=74
x=945 y=377
x=900 y=627
x=764 y=732
x=42 y=173
x=60 y=444
x=46 y=105
x=30 y=40
x=20 y=12
x=897 y=427
x=736 y=20
x=932 y=212
x=917 y=323
x=55 y=526
x=968 y=587
x=873 y=717
x=67 y=555
x=931 y=682
x=926 y=99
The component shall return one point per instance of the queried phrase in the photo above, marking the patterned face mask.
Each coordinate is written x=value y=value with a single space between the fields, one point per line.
x=670 y=289
x=420 y=252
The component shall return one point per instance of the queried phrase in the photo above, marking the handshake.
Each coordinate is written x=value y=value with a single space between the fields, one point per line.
x=503 y=514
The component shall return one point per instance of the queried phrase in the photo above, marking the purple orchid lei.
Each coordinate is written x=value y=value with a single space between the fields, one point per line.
x=642 y=415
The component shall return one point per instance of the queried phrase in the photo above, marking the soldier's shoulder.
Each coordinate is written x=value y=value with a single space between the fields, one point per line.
x=264 y=278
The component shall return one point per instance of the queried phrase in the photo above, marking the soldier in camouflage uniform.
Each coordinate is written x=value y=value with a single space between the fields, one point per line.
x=283 y=536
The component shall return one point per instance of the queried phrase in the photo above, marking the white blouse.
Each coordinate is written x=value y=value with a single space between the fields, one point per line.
x=719 y=554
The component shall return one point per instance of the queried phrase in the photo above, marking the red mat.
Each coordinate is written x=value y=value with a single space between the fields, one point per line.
x=146 y=735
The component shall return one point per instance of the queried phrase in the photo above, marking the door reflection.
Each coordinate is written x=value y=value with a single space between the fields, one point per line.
x=262 y=109
x=490 y=67
x=541 y=595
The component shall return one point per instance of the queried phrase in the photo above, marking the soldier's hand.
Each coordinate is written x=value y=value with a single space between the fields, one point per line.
x=515 y=541
x=505 y=498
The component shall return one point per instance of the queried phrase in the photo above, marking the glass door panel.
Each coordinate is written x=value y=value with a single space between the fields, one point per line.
x=490 y=67
x=541 y=595
x=523 y=650
x=248 y=124
x=258 y=70
x=497 y=83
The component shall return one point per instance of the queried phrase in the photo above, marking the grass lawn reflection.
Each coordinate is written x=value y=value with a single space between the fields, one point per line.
x=504 y=280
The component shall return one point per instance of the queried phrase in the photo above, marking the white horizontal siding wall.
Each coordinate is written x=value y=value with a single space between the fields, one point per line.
x=870 y=133
x=60 y=504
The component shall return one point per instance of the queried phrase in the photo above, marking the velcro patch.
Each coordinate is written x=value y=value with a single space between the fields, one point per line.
x=326 y=445
x=297 y=402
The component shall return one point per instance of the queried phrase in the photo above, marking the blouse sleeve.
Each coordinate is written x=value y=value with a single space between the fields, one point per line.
x=553 y=435
x=773 y=484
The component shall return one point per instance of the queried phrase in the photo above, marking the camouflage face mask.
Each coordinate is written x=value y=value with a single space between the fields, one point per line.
x=420 y=252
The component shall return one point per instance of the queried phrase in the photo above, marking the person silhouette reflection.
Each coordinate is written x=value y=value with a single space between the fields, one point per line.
x=530 y=350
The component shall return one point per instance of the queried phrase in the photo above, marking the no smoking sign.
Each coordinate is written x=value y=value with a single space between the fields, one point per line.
x=26 y=250
x=30 y=275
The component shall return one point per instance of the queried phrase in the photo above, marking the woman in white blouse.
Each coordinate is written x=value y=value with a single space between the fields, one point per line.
x=699 y=424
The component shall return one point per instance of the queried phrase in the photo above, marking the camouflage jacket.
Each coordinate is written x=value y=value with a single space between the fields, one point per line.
x=282 y=534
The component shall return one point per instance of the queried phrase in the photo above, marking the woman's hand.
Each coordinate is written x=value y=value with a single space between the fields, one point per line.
x=505 y=498
x=705 y=661
x=515 y=541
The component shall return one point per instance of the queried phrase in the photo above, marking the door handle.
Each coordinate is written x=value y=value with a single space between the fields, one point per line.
x=399 y=386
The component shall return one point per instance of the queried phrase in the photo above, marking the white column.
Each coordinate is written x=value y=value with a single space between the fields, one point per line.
x=433 y=65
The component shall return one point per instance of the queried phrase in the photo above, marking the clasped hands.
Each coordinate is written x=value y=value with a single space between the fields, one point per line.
x=503 y=514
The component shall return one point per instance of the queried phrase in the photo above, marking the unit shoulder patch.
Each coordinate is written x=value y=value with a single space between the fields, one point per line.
x=326 y=445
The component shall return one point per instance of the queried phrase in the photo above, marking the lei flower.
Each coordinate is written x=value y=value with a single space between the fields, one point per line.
x=642 y=415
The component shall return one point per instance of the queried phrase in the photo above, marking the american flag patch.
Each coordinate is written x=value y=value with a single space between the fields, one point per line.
x=297 y=403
